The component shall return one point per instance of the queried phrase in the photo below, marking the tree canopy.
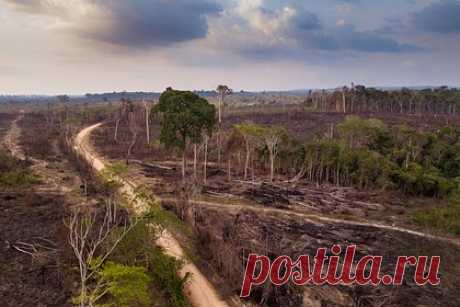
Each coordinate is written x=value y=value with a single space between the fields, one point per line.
x=185 y=116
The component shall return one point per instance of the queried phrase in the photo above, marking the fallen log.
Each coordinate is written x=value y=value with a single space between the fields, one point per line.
x=152 y=166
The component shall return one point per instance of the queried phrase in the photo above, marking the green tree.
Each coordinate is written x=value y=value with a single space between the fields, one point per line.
x=184 y=118
x=127 y=285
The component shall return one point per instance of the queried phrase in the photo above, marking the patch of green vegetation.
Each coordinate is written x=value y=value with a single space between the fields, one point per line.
x=445 y=219
x=117 y=168
x=138 y=249
x=126 y=285
x=21 y=178
x=14 y=174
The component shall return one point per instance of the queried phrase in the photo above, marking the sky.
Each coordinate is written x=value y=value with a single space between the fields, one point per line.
x=88 y=46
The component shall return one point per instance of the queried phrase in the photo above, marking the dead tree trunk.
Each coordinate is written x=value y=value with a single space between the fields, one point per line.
x=205 y=163
x=195 y=149
x=147 y=121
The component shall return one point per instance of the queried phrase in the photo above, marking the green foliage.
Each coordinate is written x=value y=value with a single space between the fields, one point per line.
x=250 y=130
x=445 y=218
x=137 y=249
x=21 y=178
x=126 y=285
x=369 y=155
x=359 y=132
x=118 y=168
x=184 y=116
x=15 y=174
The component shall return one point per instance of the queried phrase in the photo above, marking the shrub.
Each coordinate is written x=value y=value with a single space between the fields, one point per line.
x=445 y=219
x=127 y=285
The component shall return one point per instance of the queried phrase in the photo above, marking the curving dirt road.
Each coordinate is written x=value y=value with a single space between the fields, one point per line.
x=199 y=290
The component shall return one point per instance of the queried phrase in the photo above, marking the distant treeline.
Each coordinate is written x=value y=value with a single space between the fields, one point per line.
x=356 y=99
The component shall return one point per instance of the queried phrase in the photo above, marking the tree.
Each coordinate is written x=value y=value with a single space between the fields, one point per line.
x=272 y=137
x=147 y=108
x=133 y=127
x=89 y=233
x=252 y=136
x=121 y=114
x=127 y=285
x=223 y=91
x=184 y=117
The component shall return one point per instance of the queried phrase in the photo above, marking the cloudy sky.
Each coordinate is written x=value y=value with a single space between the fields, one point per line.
x=79 y=46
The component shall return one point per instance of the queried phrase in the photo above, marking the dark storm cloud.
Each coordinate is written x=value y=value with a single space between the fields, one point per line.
x=347 y=38
x=439 y=17
x=307 y=21
x=369 y=41
x=146 y=23
x=135 y=23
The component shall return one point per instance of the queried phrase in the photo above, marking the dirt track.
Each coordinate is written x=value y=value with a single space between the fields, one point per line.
x=199 y=290
x=11 y=138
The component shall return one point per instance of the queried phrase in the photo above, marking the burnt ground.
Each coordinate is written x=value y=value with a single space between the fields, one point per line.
x=32 y=221
x=42 y=280
x=5 y=120
x=36 y=216
x=225 y=239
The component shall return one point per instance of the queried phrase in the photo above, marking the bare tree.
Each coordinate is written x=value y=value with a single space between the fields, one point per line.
x=121 y=114
x=344 y=99
x=133 y=129
x=205 y=162
x=93 y=236
x=148 y=108
x=223 y=91
x=272 y=137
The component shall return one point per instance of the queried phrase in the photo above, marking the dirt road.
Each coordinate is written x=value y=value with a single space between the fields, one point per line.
x=11 y=139
x=199 y=290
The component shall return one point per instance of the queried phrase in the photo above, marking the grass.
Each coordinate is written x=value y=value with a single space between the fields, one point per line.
x=21 y=178
x=14 y=174
x=445 y=219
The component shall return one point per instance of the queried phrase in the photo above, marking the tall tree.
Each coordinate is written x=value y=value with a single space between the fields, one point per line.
x=184 y=117
x=147 y=108
x=133 y=127
x=223 y=91
x=121 y=114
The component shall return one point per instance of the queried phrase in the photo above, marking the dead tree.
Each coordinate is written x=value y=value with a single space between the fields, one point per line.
x=147 y=107
x=133 y=129
x=93 y=236
x=121 y=115
x=205 y=162
x=344 y=100
x=272 y=137
x=223 y=91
